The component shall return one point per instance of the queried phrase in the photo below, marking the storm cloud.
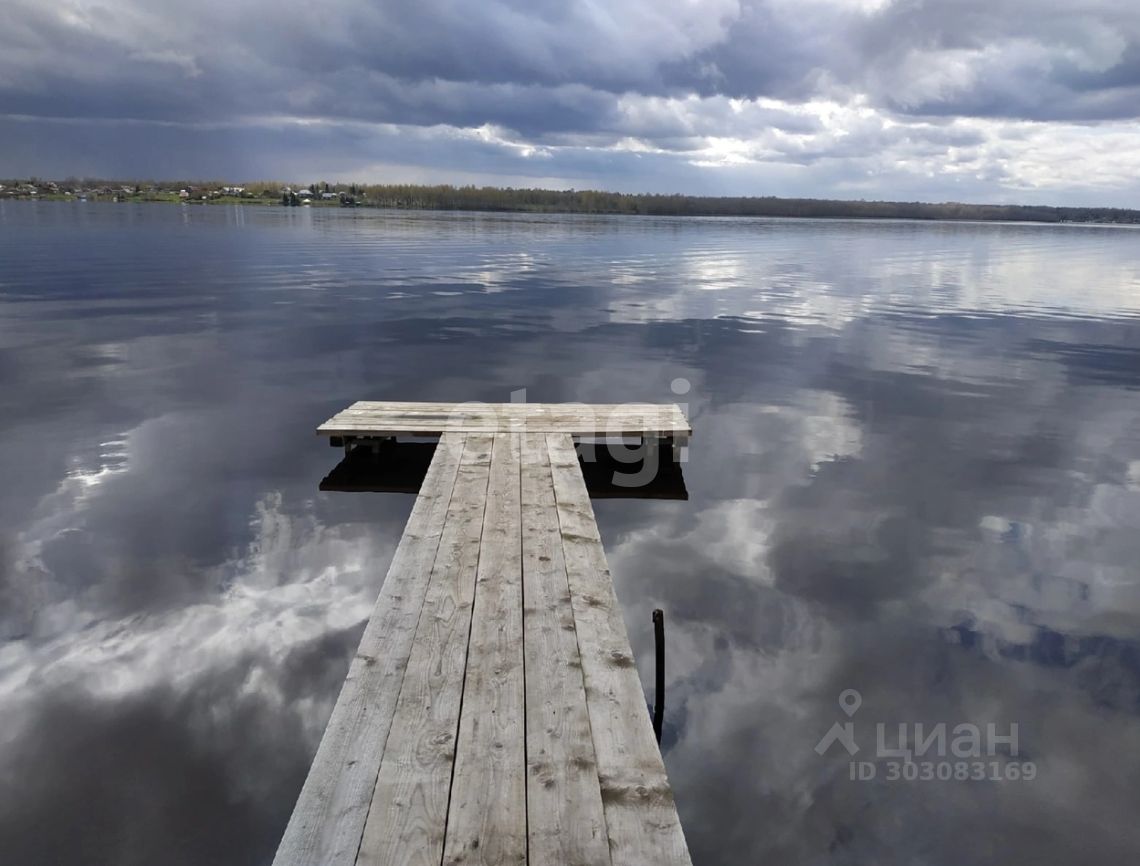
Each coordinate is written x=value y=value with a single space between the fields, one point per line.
x=994 y=100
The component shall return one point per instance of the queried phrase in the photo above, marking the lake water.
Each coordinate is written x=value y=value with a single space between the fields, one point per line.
x=915 y=474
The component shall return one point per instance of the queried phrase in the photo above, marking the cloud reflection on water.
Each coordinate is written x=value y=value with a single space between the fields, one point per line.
x=914 y=472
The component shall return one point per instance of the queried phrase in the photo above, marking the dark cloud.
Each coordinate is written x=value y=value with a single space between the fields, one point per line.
x=1004 y=59
x=826 y=84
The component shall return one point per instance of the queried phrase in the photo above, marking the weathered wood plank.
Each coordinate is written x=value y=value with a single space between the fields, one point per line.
x=517 y=411
x=328 y=819
x=641 y=819
x=408 y=816
x=365 y=418
x=526 y=408
x=486 y=821
x=565 y=823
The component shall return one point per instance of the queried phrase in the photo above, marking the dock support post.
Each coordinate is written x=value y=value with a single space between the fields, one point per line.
x=659 y=672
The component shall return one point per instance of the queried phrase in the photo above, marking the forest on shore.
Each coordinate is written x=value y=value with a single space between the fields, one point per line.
x=590 y=201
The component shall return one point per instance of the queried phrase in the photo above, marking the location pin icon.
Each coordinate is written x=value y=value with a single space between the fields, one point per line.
x=850 y=701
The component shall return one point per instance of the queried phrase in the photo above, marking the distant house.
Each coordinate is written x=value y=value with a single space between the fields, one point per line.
x=328 y=196
x=305 y=193
x=184 y=193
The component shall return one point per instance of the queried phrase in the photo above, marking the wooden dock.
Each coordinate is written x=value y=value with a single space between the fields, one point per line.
x=493 y=713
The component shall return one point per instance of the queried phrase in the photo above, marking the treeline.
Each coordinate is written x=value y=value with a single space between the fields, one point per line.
x=594 y=202
x=488 y=198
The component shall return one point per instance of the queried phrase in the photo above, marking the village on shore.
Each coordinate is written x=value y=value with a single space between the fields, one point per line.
x=49 y=190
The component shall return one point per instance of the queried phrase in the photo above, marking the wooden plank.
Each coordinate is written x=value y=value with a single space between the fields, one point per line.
x=518 y=410
x=408 y=816
x=565 y=824
x=599 y=427
x=633 y=419
x=641 y=818
x=381 y=428
x=476 y=406
x=596 y=417
x=328 y=819
x=365 y=431
x=518 y=414
x=486 y=821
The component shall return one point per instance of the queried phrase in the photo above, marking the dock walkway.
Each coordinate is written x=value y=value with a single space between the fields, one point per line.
x=493 y=713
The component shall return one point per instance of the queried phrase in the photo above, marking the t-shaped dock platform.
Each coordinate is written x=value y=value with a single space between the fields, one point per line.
x=493 y=712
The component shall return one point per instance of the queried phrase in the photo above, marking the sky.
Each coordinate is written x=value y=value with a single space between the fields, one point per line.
x=965 y=100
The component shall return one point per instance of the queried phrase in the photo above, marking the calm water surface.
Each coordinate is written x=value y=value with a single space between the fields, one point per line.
x=915 y=474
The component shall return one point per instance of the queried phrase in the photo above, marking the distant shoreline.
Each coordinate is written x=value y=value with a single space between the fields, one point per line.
x=589 y=202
